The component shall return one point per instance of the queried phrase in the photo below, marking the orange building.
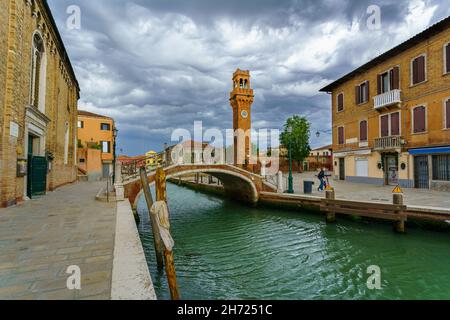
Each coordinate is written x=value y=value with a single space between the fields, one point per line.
x=391 y=116
x=96 y=132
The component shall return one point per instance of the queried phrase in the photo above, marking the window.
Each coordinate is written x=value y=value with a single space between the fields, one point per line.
x=419 y=119
x=362 y=93
x=80 y=124
x=441 y=167
x=395 y=124
x=106 y=146
x=389 y=80
x=38 y=73
x=390 y=124
x=340 y=102
x=447 y=58
x=384 y=122
x=418 y=70
x=447 y=114
x=105 y=127
x=341 y=136
x=82 y=160
x=363 y=131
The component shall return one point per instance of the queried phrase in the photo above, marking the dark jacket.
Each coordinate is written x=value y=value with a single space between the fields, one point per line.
x=321 y=175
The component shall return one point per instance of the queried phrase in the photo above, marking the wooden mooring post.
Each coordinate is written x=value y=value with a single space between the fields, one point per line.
x=161 y=212
x=330 y=215
x=399 y=226
x=152 y=217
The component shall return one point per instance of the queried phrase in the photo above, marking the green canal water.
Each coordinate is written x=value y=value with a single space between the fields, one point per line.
x=225 y=250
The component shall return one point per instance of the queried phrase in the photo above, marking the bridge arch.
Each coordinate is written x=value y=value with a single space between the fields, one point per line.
x=238 y=184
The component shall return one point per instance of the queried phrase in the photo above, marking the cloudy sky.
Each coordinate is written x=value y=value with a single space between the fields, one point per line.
x=159 y=65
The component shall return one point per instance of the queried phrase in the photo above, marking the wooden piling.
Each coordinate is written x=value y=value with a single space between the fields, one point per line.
x=161 y=195
x=330 y=215
x=155 y=230
x=399 y=226
x=171 y=274
x=160 y=185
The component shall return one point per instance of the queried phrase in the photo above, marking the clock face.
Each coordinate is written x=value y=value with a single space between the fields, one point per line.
x=244 y=114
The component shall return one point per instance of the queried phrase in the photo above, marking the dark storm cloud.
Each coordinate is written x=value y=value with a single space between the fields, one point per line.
x=162 y=64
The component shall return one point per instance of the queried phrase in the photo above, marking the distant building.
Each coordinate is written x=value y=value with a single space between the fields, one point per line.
x=151 y=159
x=96 y=132
x=319 y=158
x=188 y=152
x=39 y=95
x=391 y=116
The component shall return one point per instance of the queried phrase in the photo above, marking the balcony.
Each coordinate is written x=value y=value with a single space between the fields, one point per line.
x=387 y=99
x=389 y=143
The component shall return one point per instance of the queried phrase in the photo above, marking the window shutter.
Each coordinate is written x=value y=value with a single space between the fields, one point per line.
x=368 y=91
x=415 y=70
x=357 y=95
x=419 y=119
x=385 y=126
x=340 y=102
x=341 y=135
x=395 y=124
x=421 y=67
x=395 y=78
x=447 y=54
x=447 y=111
x=363 y=131
x=379 y=89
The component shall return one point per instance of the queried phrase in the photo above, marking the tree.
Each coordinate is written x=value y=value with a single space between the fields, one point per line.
x=299 y=138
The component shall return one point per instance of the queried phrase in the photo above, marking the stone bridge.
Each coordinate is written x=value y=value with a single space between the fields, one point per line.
x=238 y=184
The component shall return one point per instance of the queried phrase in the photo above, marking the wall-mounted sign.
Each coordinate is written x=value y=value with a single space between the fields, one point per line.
x=22 y=167
x=13 y=129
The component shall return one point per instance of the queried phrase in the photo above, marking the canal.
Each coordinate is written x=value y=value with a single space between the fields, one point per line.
x=225 y=250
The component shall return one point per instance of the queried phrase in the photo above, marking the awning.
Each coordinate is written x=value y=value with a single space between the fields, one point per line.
x=424 y=151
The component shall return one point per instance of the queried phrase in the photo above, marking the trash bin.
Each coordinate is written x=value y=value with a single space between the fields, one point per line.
x=307 y=187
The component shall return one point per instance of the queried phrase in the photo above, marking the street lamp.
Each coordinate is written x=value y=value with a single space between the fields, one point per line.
x=291 y=178
x=115 y=133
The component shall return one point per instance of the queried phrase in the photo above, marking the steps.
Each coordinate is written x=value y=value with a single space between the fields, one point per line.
x=104 y=197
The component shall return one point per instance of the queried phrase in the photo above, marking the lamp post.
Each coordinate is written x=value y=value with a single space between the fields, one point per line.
x=291 y=178
x=115 y=132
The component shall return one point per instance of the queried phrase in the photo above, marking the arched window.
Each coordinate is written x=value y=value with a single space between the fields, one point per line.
x=241 y=83
x=38 y=73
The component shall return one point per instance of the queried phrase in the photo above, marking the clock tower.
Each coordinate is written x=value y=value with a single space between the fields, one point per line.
x=241 y=100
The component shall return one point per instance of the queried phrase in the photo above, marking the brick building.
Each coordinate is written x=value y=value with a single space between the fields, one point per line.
x=38 y=100
x=391 y=116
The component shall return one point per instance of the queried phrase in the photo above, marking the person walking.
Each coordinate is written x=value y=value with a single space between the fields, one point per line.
x=321 y=177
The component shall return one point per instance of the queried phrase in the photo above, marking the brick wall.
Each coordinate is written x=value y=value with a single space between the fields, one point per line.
x=16 y=32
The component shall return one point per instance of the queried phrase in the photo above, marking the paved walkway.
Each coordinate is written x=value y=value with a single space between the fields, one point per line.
x=367 y=192
x=41 y=238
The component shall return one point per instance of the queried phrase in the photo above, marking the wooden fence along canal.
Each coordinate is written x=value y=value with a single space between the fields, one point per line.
x=397 y=211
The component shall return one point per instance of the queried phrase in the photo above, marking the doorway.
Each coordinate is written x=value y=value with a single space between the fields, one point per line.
x=342 y=169
x=421 y=176
x=106 y=171
x=37 y=169
x=392 y=170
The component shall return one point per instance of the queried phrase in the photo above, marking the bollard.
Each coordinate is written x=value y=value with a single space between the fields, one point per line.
x=399 y=226
x=330 y=216
x=280 y=187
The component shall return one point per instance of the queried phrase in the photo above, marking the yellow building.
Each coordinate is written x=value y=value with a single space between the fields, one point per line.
x=39 y=95
x=151 y=159
x=391 y=116
x=97 y=132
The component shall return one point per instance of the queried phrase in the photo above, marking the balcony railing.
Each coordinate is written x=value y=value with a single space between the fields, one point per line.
x=386 y=143
x=388 y=98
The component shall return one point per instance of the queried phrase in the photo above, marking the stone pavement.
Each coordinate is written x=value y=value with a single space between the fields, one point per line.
x=41 y=238
x=367 y=192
